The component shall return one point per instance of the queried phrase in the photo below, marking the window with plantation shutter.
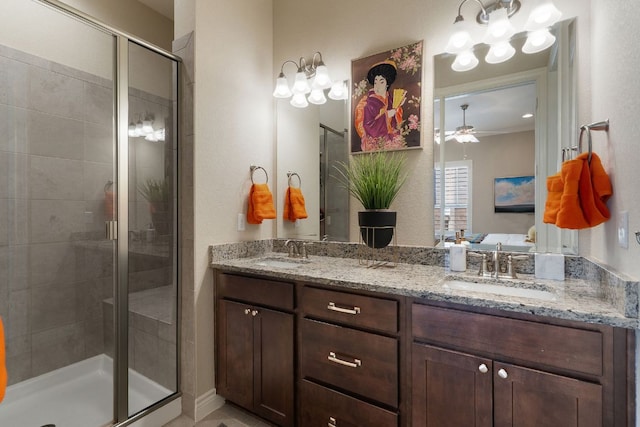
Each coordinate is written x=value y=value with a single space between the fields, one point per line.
x=457 y=197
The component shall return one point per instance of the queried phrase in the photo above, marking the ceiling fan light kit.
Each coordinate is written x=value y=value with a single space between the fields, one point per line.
x=464 y=133
x=496 y=16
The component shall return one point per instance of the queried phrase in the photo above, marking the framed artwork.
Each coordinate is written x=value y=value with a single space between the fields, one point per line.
x=514 y=194
x=385 y=104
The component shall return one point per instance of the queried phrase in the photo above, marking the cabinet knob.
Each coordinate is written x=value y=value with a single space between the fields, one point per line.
x=254 y=313
x=502 y=374
x=483 y=368
x=332 y=422
x=247 y=310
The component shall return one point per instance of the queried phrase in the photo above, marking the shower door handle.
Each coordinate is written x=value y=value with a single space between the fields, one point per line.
x=111 y=230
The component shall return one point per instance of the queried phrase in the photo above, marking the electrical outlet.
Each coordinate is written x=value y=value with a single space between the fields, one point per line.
x=242 y=224
x=623 y=229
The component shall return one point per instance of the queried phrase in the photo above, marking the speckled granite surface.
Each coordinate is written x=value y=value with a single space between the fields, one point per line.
x=590 y=292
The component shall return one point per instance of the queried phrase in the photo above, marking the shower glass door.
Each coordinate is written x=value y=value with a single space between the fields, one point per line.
x=152 y=260
x=56 y=192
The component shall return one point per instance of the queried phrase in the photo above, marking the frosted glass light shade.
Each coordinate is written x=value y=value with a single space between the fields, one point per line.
x=465 y=61
x=500 y=28
x=282 y=88
x=543 y=15
x=537 y=41
x=466 y=137
x=339 y=91
x=301 y=85
x=147 y=128
x=461 y=39
x=138 y=129
x=500 y=52
x=299 y=101
x=317 y=97
x=322 y=79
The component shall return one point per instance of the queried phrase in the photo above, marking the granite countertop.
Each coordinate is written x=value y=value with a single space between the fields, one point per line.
x=575 y=299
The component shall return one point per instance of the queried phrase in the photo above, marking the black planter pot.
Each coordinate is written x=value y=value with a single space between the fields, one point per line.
x=376 y=227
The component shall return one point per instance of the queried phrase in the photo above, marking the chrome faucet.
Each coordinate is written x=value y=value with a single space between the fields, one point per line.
x=293 y=248
x=297 y=249
x=496 y=260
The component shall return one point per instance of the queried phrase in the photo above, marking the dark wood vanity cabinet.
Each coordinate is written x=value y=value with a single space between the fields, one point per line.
x=309 y=355
x=483 y=370
x=255 y=345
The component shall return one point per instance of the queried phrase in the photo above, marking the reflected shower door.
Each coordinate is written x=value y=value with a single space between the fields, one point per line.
x=152 y=258
x=56 y=178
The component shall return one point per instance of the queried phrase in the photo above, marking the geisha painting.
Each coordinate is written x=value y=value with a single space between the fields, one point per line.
x=386 y=100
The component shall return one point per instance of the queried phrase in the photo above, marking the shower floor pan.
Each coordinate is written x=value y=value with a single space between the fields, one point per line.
x=78 y=395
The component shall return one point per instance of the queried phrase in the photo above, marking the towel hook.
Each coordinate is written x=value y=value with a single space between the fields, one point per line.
x=291 y=175
x=253 y=168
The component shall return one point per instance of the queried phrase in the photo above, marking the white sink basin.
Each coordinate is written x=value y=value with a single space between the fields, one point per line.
x=498 y=289
x=280 y=262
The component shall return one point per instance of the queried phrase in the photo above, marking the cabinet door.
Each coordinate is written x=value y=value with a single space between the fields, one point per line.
x=235 y=353
x=273 y=366
x=450 y=388
x=530 y=398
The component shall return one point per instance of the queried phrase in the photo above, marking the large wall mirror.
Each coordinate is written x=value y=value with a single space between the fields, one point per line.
x=310 y=141
x=499 y=132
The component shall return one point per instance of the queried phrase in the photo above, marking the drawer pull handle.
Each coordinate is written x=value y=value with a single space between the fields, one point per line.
x=483 y=368
x=333 y=358
x=332 y=422
x=247 y=310
x=502 y=374
x=254 y=313
x=332 y=306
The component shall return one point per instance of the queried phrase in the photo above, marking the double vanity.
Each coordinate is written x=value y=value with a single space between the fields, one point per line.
x=328 y=341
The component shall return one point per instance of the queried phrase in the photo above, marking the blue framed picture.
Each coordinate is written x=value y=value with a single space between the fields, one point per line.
x=515 y=194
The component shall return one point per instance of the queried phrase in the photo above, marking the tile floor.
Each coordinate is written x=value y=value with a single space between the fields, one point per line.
x=228 y=415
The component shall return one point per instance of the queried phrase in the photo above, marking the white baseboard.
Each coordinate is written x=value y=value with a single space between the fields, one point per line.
x=207 y=403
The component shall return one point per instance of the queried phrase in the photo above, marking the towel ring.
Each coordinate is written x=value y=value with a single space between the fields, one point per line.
x=255 y=168
x=291 y=175
x=603 y=125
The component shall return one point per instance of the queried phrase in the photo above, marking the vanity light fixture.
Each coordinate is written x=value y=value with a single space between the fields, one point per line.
x=144 y=129
x=500 y=30
x=315 y=70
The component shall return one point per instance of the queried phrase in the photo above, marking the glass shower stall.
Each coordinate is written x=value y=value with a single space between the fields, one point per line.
x=89 y=293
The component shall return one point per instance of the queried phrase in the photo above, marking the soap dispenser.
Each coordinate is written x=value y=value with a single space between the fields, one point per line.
x=458 y=255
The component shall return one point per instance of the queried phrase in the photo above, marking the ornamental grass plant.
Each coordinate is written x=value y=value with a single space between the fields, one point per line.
x=373 y=178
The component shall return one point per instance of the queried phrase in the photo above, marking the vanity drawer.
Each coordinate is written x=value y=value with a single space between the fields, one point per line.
x=351 y=309
x=578 y=350
x=322 y=407
x=356 y=361
x=270 y=293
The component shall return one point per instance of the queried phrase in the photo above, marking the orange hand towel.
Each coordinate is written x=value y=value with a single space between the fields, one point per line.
x=554 y=195
x=3 y=367
x=595 y=190
x=294 y=207
x=260 y=204
x=570 y=214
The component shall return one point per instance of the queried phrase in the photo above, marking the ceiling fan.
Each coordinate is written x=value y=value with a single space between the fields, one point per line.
x=464 y=133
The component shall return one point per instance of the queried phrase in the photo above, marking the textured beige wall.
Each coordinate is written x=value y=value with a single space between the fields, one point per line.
x=615 y=93
x=233 y=130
